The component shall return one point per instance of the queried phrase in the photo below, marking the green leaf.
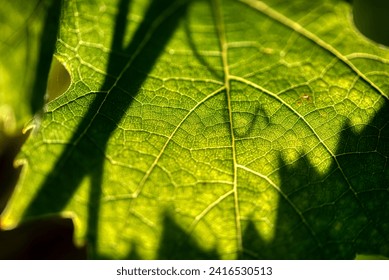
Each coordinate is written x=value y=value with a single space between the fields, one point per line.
x=214 y=129
x=29 y=32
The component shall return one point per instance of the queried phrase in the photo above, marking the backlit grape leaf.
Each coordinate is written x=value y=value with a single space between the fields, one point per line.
x=214 y=129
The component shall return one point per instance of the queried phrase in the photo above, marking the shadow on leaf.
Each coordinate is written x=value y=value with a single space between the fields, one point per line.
x=176 y=244
x=338 y=214
x=46 y=50
x=87 y=155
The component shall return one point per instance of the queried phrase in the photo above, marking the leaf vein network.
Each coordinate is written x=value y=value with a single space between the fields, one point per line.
x=282 y=19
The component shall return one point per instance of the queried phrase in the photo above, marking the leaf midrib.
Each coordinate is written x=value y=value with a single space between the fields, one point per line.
x=220 y=28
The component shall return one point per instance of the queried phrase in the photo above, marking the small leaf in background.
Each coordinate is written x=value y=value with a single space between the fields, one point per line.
x=29 y=32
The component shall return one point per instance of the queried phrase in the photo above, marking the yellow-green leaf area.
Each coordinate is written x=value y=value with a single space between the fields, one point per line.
x=214 y=129
x=25 y=59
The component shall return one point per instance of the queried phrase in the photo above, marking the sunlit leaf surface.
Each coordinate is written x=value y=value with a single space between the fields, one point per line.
x=214 y=129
